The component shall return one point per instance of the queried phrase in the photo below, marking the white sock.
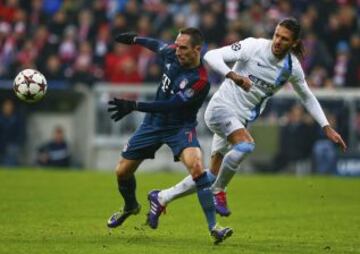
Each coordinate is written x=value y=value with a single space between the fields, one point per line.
x=225 y=176
x=230 y=165
x=185 y=187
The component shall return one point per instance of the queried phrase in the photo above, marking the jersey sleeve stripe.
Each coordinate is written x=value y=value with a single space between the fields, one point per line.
x=203 y=79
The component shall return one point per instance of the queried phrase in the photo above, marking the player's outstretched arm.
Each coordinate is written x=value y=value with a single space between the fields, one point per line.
x=119 y=108
x=133 y=38
x=335 y=137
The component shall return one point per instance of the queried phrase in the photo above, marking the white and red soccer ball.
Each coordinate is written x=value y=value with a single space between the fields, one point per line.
x=30 y=85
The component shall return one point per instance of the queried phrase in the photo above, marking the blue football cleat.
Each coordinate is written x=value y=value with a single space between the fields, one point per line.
x=119 y=217
x=155 y=209
x=221 y=204
x=219 y=233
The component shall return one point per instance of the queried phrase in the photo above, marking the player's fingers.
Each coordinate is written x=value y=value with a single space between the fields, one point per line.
x=115 y=101
x=112 y=109
x=118 y=117
x=342 y=144
x=112 y=116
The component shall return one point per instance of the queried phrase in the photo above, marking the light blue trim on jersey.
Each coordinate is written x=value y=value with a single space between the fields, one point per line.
x=285 y=72
x=244 y=147
x=280 y=80
x=255 y=112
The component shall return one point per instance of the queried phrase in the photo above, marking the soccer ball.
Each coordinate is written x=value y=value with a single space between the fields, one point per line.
x=30 y=85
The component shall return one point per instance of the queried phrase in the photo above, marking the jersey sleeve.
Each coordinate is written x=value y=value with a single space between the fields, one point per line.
x=161 y=48
x=307 y=97
x=238 y=51
x=154 y=45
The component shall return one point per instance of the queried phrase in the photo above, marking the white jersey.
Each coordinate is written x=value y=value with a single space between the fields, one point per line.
x=254 y=59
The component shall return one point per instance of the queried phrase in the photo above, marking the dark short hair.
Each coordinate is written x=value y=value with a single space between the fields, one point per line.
x=196 y=36
x=294 y=26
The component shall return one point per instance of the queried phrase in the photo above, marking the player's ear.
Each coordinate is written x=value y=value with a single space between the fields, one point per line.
x=295 y=44
x=197 y=48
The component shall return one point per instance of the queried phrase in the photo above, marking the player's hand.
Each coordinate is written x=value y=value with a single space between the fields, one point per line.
x=335 y=137
x=243 y=82
x=126 y=38
x=120 y=108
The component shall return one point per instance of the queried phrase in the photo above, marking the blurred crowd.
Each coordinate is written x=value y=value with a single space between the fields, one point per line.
x=73 y=40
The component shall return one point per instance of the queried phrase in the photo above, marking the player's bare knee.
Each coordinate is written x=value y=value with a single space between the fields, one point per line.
x=122 y=171
x=196 y=169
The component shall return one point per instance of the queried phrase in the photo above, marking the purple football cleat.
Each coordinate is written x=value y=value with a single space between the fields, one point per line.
x=155 y=209
x=221 y=204
x=118 y=218
x=219 y=233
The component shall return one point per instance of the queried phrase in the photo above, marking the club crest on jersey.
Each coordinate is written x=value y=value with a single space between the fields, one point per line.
x=236 y=46
x=183 y=83
x=189 y=93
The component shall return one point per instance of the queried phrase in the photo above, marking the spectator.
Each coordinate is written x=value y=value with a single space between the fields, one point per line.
x=120 y=65
x=59 y=27
x=50 y=7
x=292 y=146
x=86 y=29
x=53 y=69
x=353 y=68
x=316 y=54
x=119 y=24
x=12 y=134
x=341 y=64
x=54 y=153
x=84 y=71
x=36 y=14
x=101 y=45
x=324 y=152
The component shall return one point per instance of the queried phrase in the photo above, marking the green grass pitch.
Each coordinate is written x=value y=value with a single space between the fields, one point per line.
x=66 y=211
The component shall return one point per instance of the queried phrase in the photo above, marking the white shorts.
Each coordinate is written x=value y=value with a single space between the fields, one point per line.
x=222 y=121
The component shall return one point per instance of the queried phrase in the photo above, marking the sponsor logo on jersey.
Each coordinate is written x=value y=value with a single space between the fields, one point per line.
x=183 y=83
x=263 y=85
x=236 y=46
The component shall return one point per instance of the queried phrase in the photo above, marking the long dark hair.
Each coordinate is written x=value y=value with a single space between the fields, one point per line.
x=294 y=26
